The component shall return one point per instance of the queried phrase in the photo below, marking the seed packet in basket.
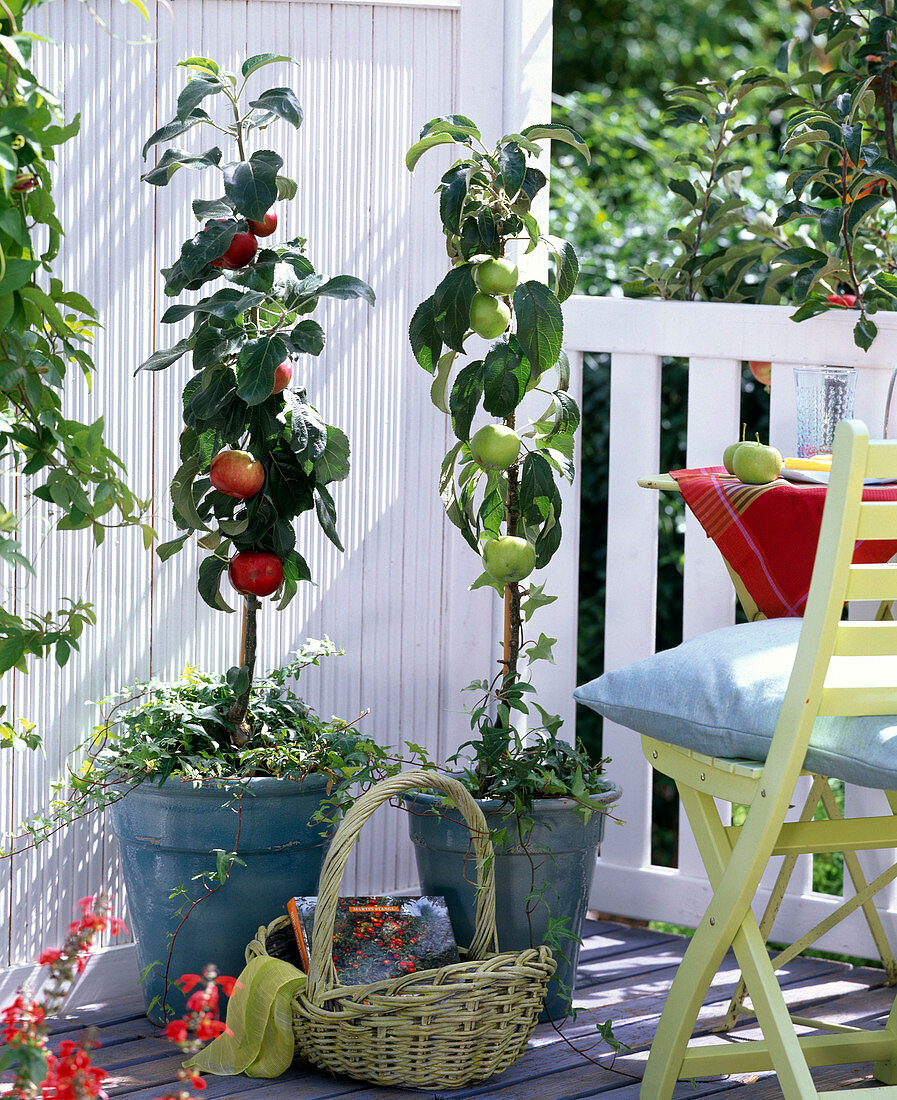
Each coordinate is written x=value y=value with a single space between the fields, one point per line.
x=375 y=938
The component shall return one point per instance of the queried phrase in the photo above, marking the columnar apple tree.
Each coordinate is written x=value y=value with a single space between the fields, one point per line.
x=254 y=453
x=499 y=483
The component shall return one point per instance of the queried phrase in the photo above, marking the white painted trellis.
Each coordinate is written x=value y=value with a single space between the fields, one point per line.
x=715 y=338
x=370 y=74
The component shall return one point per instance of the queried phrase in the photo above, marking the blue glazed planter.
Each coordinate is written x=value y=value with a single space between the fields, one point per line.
x=557 y=864
x=166 y=836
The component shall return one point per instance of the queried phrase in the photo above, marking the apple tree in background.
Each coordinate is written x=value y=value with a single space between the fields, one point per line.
x=254 y=453
x=499 y=484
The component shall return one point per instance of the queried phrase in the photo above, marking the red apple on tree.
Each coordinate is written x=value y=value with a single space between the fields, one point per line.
x=240 y=252
x=282 y=376
x=255 y=572
x=848 y=301
x=265 y=227
x=761 y=370
x=237 y=474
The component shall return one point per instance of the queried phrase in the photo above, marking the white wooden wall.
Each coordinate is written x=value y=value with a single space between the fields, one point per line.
x=370 y=74
x=715 y=338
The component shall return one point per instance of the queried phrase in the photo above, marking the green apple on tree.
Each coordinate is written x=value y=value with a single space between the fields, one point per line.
x=495 y=447
x=489 y=317
x=509 y=559
x=496 y=276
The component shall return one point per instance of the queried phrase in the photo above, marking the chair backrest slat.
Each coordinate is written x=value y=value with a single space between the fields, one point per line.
x=878 y=520
x=882 y=460
x=872 y=582
x=863 y=699
x=861 y=639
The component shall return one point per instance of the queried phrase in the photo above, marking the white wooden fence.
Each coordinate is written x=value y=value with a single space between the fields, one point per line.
x=370 y=74
x=715 y=339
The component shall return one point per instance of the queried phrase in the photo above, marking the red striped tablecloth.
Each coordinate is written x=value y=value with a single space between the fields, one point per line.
x=768 y=533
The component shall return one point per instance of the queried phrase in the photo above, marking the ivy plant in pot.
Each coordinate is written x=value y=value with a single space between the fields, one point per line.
x=544 y=800
x=254 y=455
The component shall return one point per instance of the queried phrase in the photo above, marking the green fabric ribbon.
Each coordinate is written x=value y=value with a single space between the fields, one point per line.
x=260 y=1018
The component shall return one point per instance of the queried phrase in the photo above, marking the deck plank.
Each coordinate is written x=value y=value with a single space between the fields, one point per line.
x=624 y=975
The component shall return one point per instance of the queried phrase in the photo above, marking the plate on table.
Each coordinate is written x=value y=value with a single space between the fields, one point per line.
x=820 y=477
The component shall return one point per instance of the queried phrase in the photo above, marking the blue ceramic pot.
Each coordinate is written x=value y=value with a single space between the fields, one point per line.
x=167 y=835
x=554 y=862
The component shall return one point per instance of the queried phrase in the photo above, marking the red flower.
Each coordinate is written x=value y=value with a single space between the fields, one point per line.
x=209 y=1029
x=228 y=984
x=51 y=955
x=176 y=1031
x=188 y=981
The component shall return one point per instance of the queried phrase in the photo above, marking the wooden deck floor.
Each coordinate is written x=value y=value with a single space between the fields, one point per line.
x=624 y=975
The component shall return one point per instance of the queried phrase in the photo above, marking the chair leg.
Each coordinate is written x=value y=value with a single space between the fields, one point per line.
x=749 y=946
x=886 y=1072
x=702 y=958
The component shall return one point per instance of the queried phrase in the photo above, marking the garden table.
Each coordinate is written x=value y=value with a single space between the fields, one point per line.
x=767 y=535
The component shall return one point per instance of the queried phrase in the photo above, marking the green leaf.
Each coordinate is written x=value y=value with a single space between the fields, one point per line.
x=282 y=102
x=534 y=599
x=426 y=342
x=167 y=550
x=173 y=159
x=685 y=188
x=566 y=418
x=567 y=269
x=465 y=397
x=451 y=303
x=226 y=304
x=164 y=358
x=886 y=282
x=540 y=324
x=451 y=124
x=439 y=388
x=175 y=128
x=252 y=185
x=864 y=332
x=420 y=147
x=212 y=208
x=286 y=188
x=204 y=65
x=345 y=287
x=326 y=512
x=541 y=650
x=512 y=168
x=451 y=198
x=308 y=432
x=333 y=465
x=16 y=275
x=209 y=583
x=182 y=493
x=197 y=89
x=307 y=338
x=256 y=364
x=558 y=133
x=448 y=496
x=259 y=60
x=506 y=373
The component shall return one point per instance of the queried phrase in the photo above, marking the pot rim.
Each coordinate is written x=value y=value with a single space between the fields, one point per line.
x=175 y=786
x=544 y=805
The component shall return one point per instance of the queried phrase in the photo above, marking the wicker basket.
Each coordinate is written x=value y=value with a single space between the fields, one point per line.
x=440 y=1028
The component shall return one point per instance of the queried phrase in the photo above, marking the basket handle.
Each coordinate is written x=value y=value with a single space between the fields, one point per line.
x=321 y=972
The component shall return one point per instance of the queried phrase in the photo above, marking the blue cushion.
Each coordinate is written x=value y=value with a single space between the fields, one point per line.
x=721 y=694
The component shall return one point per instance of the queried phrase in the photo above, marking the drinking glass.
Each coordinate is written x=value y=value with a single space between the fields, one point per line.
x=824 y=395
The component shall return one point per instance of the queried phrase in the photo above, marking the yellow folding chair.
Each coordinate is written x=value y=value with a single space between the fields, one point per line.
x=741 y=713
